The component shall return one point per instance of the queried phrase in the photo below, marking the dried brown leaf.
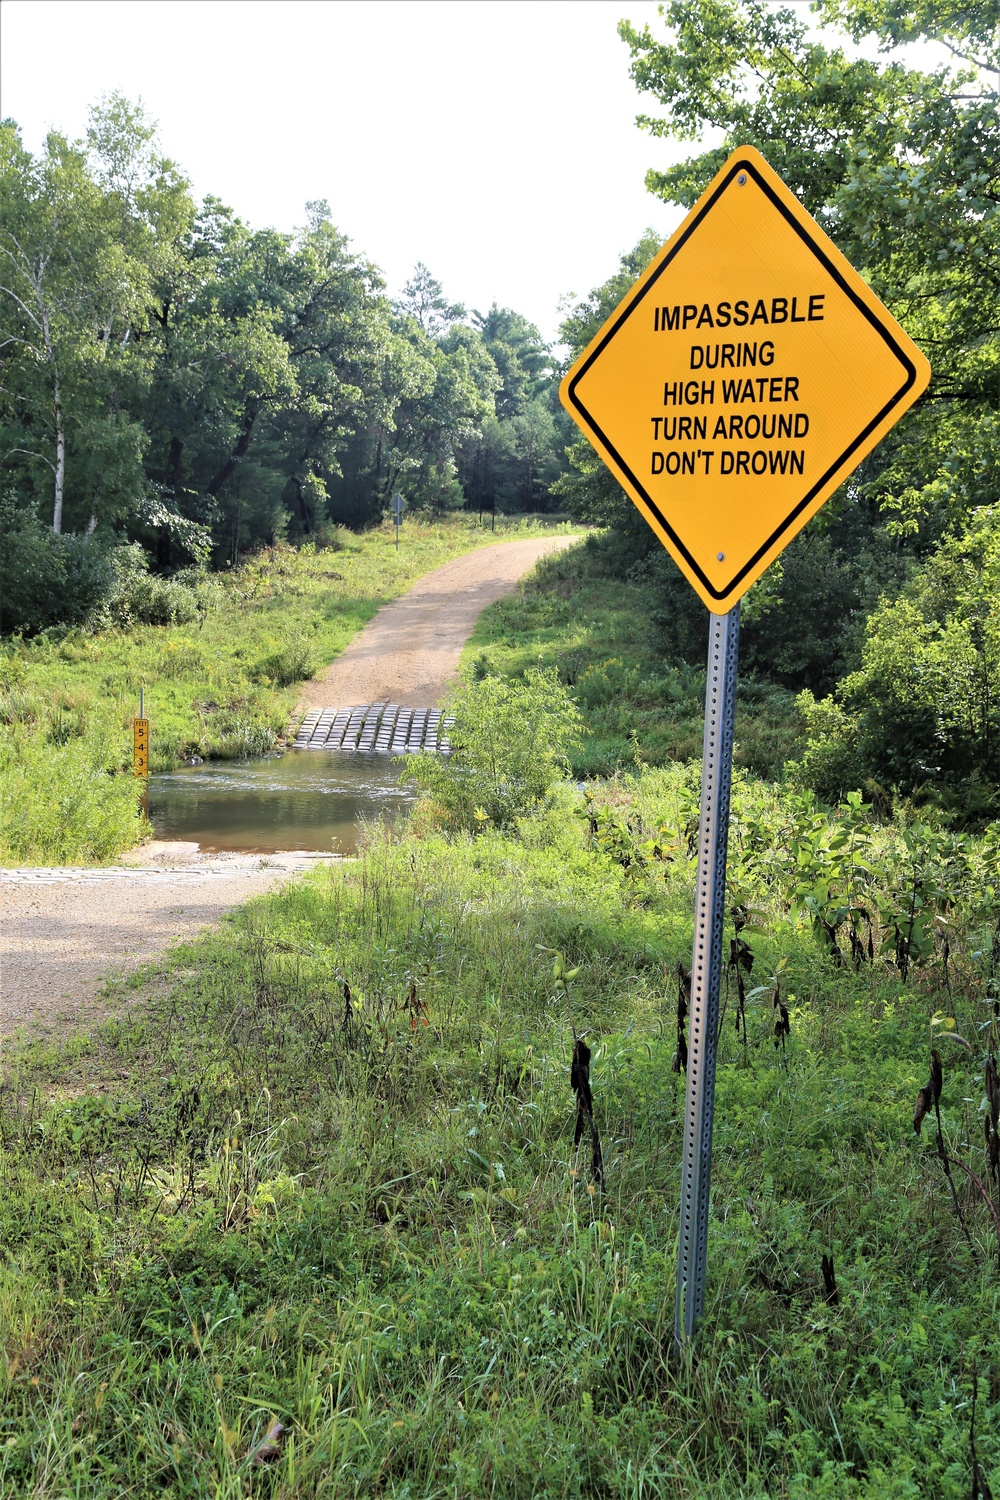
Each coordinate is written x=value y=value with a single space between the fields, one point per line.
x=925 y=1103
x=269 y=1447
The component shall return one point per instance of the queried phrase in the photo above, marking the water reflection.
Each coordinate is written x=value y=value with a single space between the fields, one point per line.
x=305 y=799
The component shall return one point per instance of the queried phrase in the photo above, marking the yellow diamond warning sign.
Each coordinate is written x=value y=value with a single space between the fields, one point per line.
x=748 y=371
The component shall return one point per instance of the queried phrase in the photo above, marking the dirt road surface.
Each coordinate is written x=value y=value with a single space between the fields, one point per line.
x=408 y=654
x=64 y=932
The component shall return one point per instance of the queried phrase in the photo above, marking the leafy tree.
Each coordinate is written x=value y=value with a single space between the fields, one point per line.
x=429 y=428
x=588 y=489
x=424 y=301
x=514 y=459
x=84 y=230
x=485 y=458
x=267 y=352
x=46 y=578
x=169 y=374
x=524 y=362
x=922 y=712
x=901 y=166
x=338 y=328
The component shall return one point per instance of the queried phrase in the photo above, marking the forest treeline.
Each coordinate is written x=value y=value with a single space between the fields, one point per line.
x=173 y=377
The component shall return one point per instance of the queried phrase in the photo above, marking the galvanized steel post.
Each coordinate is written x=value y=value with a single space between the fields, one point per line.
x=706 y=972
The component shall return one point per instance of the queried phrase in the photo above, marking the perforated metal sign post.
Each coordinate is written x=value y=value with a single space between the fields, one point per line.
x=397 y=514
x=737 y=384
x=706 y=970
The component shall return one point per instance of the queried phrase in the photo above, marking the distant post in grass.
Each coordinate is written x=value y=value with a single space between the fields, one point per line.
x=397 y=514
x=738 y=383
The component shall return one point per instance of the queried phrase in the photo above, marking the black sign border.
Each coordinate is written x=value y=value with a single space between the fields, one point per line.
x=839 y=463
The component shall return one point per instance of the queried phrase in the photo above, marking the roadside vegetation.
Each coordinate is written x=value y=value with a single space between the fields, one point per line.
x=374 y=1191
x=308 y=1218
x=601 y=624
x=218 y=655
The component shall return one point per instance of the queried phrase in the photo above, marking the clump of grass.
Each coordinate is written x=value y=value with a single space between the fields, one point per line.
x=68 y=793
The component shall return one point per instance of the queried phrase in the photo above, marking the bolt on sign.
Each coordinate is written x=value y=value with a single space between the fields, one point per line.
x=140 y=746
x=740 y=381
x=743 y=377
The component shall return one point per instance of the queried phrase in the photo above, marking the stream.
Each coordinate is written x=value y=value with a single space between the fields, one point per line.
x=304 y=799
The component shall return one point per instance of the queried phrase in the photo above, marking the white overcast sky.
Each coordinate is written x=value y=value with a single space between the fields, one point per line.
x=495 y=140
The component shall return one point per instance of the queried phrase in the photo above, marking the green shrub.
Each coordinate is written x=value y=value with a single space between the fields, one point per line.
x=509 y=747
x=68 y=796
x=606 y=682
x=46 y=580
x=293 y=661
x=240 y=739
x=796 y=628
x=922 y=714
x=329 y=537
x=138 y=597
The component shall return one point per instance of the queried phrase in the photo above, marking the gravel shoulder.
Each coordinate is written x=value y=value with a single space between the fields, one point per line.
x=65 y=932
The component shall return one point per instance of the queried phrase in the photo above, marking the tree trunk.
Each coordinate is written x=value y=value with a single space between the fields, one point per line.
x=238 y=452
x=57 y=508
x=174 y=468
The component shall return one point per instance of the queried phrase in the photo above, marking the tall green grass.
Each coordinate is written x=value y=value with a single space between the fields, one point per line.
x=67 y=790
x=321 y=1170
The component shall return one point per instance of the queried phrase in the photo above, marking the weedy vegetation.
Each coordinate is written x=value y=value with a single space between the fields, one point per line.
x=374 y=1192
x=626 y=656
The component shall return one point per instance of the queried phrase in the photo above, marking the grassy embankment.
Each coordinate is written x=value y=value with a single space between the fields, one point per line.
x=638 y=705
x=261 y=1197
x=222 y=686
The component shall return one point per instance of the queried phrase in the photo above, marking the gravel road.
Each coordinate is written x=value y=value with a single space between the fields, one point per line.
x=408 y=654
x=64 y=932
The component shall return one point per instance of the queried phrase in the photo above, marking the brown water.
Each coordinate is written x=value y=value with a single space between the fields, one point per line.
x=305 y=799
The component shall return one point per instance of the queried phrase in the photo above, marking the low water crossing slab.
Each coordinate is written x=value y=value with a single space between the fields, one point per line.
x=385 y=728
